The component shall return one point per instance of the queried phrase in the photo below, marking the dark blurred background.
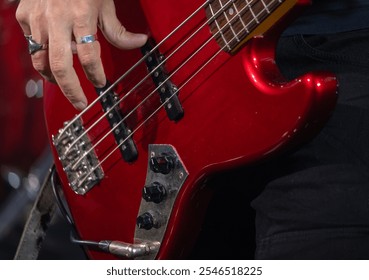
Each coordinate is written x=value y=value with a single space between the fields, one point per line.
x=24 y=153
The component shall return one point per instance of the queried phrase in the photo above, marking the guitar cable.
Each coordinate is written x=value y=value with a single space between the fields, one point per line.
x=55 y=183
x=117 y=248
x=74 y=237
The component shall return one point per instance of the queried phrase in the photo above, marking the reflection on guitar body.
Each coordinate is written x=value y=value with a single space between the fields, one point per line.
x=203 y=95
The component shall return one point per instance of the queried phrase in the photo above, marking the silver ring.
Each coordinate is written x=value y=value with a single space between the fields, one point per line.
x=86 y=39
x=33 y=46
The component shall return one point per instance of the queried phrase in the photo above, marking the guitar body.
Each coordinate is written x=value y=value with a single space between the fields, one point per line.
x=237 y=110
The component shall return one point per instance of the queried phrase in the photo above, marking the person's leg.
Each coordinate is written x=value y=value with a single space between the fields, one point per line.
x=316 y=206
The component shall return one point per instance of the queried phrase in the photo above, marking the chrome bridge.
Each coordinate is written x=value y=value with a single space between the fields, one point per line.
x=78 y=159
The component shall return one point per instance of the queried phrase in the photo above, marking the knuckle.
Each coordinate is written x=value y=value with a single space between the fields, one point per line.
x=21 y=15
x=58 y=68
x=82 y=19
x=49 y=14
x=38 y=57
x=58 y=64
x=39 y=67
x=70 y=94
x=70 y=90
x=36 y=17
x=38 y=63
x=88 y=60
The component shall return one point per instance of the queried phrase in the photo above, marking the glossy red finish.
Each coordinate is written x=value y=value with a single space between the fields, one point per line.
x=238 y=109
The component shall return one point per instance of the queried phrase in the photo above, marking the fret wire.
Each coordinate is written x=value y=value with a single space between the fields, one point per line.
x=251 y=10
x=228 y=21
x=240 y=17
x=219 y=29
x=265 y=6
x=255 y=17
x=247 y=12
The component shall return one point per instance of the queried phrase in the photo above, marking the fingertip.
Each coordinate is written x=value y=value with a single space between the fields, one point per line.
x=129 y=40
x=141 y=39
x=115 y=32
x=80 y=105
x=79 y=101
x=135 y=40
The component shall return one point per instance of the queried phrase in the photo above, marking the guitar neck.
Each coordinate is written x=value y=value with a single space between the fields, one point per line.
x=234 y=22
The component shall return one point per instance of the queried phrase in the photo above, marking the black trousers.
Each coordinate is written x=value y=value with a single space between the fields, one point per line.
x=317 y=205
x=312 y=203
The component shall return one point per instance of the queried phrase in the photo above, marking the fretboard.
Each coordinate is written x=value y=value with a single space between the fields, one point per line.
x=231 y=21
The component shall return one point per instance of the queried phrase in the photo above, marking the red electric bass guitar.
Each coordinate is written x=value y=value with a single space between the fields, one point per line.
x=203 y=95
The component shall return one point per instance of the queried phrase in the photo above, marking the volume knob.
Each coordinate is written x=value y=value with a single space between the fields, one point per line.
x=162 y=164
x=155 y=192
x=145 y=221
x=149 y=220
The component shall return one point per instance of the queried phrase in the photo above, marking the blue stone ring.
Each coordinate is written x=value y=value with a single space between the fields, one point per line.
x=33 y=46
x=86 y=39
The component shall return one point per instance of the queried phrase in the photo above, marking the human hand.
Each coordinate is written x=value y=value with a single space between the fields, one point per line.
x=59 y=24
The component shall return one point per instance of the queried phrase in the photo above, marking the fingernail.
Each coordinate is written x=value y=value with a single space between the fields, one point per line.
x=80 y=105
x=142 y=37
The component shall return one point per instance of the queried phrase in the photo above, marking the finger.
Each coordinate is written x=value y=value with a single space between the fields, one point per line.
x=115 y=32
x=89 y=55
x=61 y=64
x=89 y=52
x=74 y=47
x=40 y=59
x=31 y=22
x=40 y=62
x=23 y=18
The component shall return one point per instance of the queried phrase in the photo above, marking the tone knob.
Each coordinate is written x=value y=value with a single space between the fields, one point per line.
x=163 y=163
x=155 y=192
x=148 y=220
x=145 y=221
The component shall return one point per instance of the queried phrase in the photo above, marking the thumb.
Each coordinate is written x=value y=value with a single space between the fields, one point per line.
x=115 y=32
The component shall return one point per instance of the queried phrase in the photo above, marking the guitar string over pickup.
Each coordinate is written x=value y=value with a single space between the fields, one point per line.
x=115 y=118
x=167 y=91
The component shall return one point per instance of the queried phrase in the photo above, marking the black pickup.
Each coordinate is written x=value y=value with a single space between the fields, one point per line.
x=167 y=91
x=119 y=129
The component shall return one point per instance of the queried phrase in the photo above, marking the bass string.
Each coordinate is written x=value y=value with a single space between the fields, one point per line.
x=151 y=115
x=155 y=89
x=161 y=106
x=147 y=76
x=139 y=62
